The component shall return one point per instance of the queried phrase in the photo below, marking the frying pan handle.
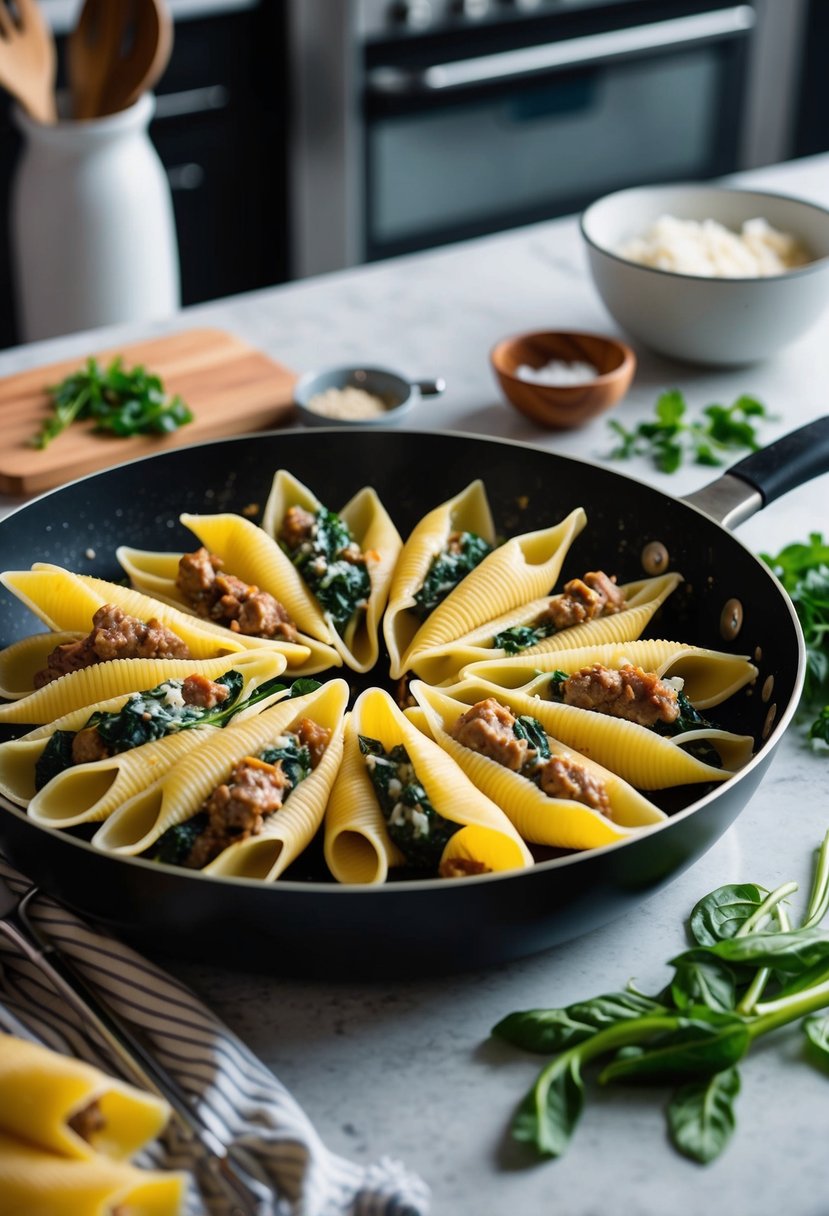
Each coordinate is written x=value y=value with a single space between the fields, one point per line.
x=760 y=478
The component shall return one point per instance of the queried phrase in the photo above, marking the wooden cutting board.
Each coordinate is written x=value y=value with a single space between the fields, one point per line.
x=231 y=387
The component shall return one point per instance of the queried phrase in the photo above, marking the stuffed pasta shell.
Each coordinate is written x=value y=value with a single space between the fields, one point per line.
x=401 y=801
x=591 y=610
x=33 y=1180
x=339 y=563
x=517 y=571
x=70 y=1107
x=81 y=767
x=551 y=794
x=447 y=543
x=699 y=675
x=631 y=721
x=239 y=579
x=248 y=801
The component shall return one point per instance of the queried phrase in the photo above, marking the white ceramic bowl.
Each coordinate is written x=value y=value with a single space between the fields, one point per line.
x=713 y=321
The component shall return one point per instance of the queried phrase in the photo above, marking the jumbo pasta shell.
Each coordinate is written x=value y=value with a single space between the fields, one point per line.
x=67 y=602
x=86 y=793
x=709 y=676
x=34 y=1180
x=21 y=660
x=117 y=677
x=639 y=756
x=449 y=790
x=517 y=572
x=467 y=511
x=643 y=598
x=357 y=847
x=43 y=1090
x=138 y=823
x=540 y=819
x=251 y=555
x=379 y=541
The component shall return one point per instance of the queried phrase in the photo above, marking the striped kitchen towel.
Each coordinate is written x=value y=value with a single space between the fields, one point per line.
x=289 y=1168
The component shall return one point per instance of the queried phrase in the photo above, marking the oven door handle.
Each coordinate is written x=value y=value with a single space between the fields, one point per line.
x=505 y=66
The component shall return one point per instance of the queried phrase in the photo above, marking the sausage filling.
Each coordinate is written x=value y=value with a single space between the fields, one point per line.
x=230 y=601
x=114 y=635
x=586 y=599
x=256 y=788
x=521 y=745
x=88 y=1121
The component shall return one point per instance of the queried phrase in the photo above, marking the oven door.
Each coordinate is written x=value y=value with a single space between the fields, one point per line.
x=458 y=147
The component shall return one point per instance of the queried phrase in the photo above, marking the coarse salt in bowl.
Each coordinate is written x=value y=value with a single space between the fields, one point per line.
x=711 y=275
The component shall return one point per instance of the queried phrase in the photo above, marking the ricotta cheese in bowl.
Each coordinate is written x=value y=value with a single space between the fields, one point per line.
x=711 y=250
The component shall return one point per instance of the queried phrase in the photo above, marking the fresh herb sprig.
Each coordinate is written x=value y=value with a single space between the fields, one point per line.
x=748 y=973
x=121 y=402
x=803 y=569
x=671 y=437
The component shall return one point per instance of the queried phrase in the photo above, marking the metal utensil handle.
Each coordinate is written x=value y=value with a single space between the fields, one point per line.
x=758 y=479
x=430 y=388
x=130 y=1052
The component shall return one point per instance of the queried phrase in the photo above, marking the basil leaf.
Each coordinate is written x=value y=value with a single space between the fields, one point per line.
x=701 y=1116
x=721 y=913
x=551 y=1030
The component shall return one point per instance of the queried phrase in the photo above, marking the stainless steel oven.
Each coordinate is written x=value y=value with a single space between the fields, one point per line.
x=420 y=122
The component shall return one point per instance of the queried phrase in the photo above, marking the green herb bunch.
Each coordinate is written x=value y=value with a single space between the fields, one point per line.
x=121 y=402
x=803 y=569
x=748 y=972
x=672 y=437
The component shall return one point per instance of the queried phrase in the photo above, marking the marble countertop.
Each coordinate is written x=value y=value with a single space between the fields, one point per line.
x=406 y=1068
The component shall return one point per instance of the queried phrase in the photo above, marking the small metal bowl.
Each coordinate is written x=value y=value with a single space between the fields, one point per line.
x=397 y=392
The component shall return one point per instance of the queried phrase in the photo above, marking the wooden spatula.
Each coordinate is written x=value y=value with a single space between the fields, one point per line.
x=116 y=52
x=28 y=59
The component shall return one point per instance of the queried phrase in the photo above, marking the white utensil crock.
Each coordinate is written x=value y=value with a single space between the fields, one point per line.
x=92 y=225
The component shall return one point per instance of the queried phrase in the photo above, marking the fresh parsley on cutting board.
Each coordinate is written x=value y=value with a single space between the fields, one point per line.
x=122 y=402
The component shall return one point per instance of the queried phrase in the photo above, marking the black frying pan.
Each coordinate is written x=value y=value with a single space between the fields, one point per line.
x=304 y=924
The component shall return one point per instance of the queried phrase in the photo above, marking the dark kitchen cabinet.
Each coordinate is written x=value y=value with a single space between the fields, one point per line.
x=219 y=129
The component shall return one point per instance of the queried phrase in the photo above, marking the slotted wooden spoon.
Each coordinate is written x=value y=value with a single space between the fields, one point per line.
x=28 y=60
x=116 y=52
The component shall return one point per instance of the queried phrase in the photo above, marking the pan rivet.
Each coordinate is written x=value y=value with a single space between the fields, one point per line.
x=655 y=558
x=731 y=620
x=769 y=722
x=768 y=688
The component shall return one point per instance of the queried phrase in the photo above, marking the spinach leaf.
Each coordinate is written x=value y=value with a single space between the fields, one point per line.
x=550 y=1030
x=548 y=1115
x=447 y=570
x=55 y=757
x=701 y=1041
x=817 y=1032
x=701 y=1115
x=790 y=953
x=521 y=637
x=531 y=729
x=723 y=912
x=704 y=981
x=173 y=846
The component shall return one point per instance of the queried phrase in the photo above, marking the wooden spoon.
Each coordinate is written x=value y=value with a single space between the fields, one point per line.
x=28 y=60
x=116 y=52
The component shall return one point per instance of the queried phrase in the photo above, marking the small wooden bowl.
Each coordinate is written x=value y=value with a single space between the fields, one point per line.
x=562 y=406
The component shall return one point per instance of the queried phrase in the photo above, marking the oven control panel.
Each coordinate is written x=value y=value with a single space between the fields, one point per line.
x=381 y=18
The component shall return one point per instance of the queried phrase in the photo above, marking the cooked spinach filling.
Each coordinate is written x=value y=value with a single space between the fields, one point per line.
x=531 y=729
x=146 y=716
x=521 y=637
x=688 y=718
x=466 y=551
x=342 y=586
x=412 y=822
x=174 y=846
